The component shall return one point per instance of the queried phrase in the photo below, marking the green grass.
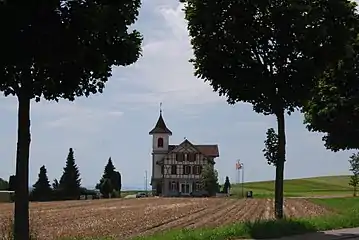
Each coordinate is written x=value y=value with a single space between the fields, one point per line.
x=318 y=186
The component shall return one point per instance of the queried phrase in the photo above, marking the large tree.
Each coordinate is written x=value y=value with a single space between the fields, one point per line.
x=70 y=182
x=42 y=189
x=268 y=53
x=334 y=106
x=59 y=49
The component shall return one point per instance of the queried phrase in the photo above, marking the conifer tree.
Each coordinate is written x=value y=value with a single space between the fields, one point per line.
x=70 y=181
x=42 y=189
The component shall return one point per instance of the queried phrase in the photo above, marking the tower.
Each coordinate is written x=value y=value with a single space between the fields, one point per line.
x=160 y=143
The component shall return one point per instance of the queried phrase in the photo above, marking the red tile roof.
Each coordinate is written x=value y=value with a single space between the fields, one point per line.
x=208 y=150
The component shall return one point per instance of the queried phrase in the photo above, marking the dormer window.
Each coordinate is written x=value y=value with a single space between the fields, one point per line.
x=160 y=143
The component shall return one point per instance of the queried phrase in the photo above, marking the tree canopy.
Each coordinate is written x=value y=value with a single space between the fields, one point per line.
x=268 y=53
x=333 y=107
x=59 y=49
x=209 y=179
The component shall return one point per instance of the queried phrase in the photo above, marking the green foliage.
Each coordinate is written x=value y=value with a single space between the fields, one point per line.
x=65 y=50
x=105 y=187
x=333 y=107
x=354 y=168
x=273 y=229
x=12 y=183
x=70 y=182
x=271 y=147
x=41 y=189
x=227 y=185
x=55 y=184
x=276 y=63
x=209 y=179
x=4 y=185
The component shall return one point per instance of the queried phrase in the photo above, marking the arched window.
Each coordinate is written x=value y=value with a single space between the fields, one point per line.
x=160 y=143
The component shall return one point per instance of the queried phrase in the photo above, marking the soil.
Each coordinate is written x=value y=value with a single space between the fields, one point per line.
x=124 y=218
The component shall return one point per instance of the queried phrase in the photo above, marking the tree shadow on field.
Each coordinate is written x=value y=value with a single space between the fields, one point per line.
x=277 y=228
x=288 y=229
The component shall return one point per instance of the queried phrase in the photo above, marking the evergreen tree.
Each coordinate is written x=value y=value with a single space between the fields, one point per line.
x=70 y=181
x=4 y=185
x=42 y=189
x=109 y=169
x=209 y=178
x=12 y=180
x=111 y=175
x=226 y=186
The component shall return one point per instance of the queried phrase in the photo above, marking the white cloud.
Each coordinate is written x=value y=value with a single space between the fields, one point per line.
x=164 y=70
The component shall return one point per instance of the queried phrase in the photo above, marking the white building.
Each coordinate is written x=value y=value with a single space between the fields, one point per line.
x=177 y=168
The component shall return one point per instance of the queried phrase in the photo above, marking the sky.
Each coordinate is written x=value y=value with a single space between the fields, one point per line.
x=116 y=123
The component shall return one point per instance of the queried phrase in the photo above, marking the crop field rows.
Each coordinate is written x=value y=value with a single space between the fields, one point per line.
x=133 y=217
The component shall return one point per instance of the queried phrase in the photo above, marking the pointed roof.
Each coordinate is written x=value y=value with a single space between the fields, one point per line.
x=160 y=127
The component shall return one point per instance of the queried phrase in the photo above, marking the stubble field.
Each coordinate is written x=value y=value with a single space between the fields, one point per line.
x=133 y=217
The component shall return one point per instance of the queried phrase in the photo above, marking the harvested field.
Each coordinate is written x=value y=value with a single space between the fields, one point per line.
x=133 y=217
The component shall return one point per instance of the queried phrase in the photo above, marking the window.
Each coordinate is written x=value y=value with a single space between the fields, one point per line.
x=198 y=186
x=197 y=169
x=160 y=142
x=187 y=170
x=192 y=157
x=173 y=186
x=179 y=157
x=174 y=169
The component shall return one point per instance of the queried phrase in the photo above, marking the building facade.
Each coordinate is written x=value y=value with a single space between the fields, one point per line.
x=176 y=169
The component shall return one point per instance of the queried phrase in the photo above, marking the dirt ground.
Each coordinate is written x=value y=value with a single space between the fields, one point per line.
x=133 y=217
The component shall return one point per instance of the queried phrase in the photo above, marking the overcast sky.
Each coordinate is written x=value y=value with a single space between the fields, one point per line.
x=116 y=123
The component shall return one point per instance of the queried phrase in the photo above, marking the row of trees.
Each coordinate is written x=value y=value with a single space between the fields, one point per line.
x=281 y=56
x=69 y=186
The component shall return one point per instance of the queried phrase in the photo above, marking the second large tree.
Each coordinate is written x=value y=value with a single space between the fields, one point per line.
x=268 y=53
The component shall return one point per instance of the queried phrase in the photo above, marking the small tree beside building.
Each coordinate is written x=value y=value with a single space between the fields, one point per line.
x=354 y=168
x=209 y=178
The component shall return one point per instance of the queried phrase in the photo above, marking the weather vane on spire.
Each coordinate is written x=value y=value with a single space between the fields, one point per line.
x=160 y=107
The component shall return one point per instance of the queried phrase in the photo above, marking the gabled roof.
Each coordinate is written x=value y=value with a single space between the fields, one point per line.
x=207 y=150
x=160 y=127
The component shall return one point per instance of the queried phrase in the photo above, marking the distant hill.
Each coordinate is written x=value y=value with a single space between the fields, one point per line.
x=315 y=186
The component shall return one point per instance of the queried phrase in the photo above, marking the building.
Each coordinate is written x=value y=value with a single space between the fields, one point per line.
x=6 y=196
x=177 y=168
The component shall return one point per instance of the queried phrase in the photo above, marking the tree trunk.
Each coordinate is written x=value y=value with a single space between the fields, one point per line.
x=280 y=166
x=355 y=191
x=21 y=216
